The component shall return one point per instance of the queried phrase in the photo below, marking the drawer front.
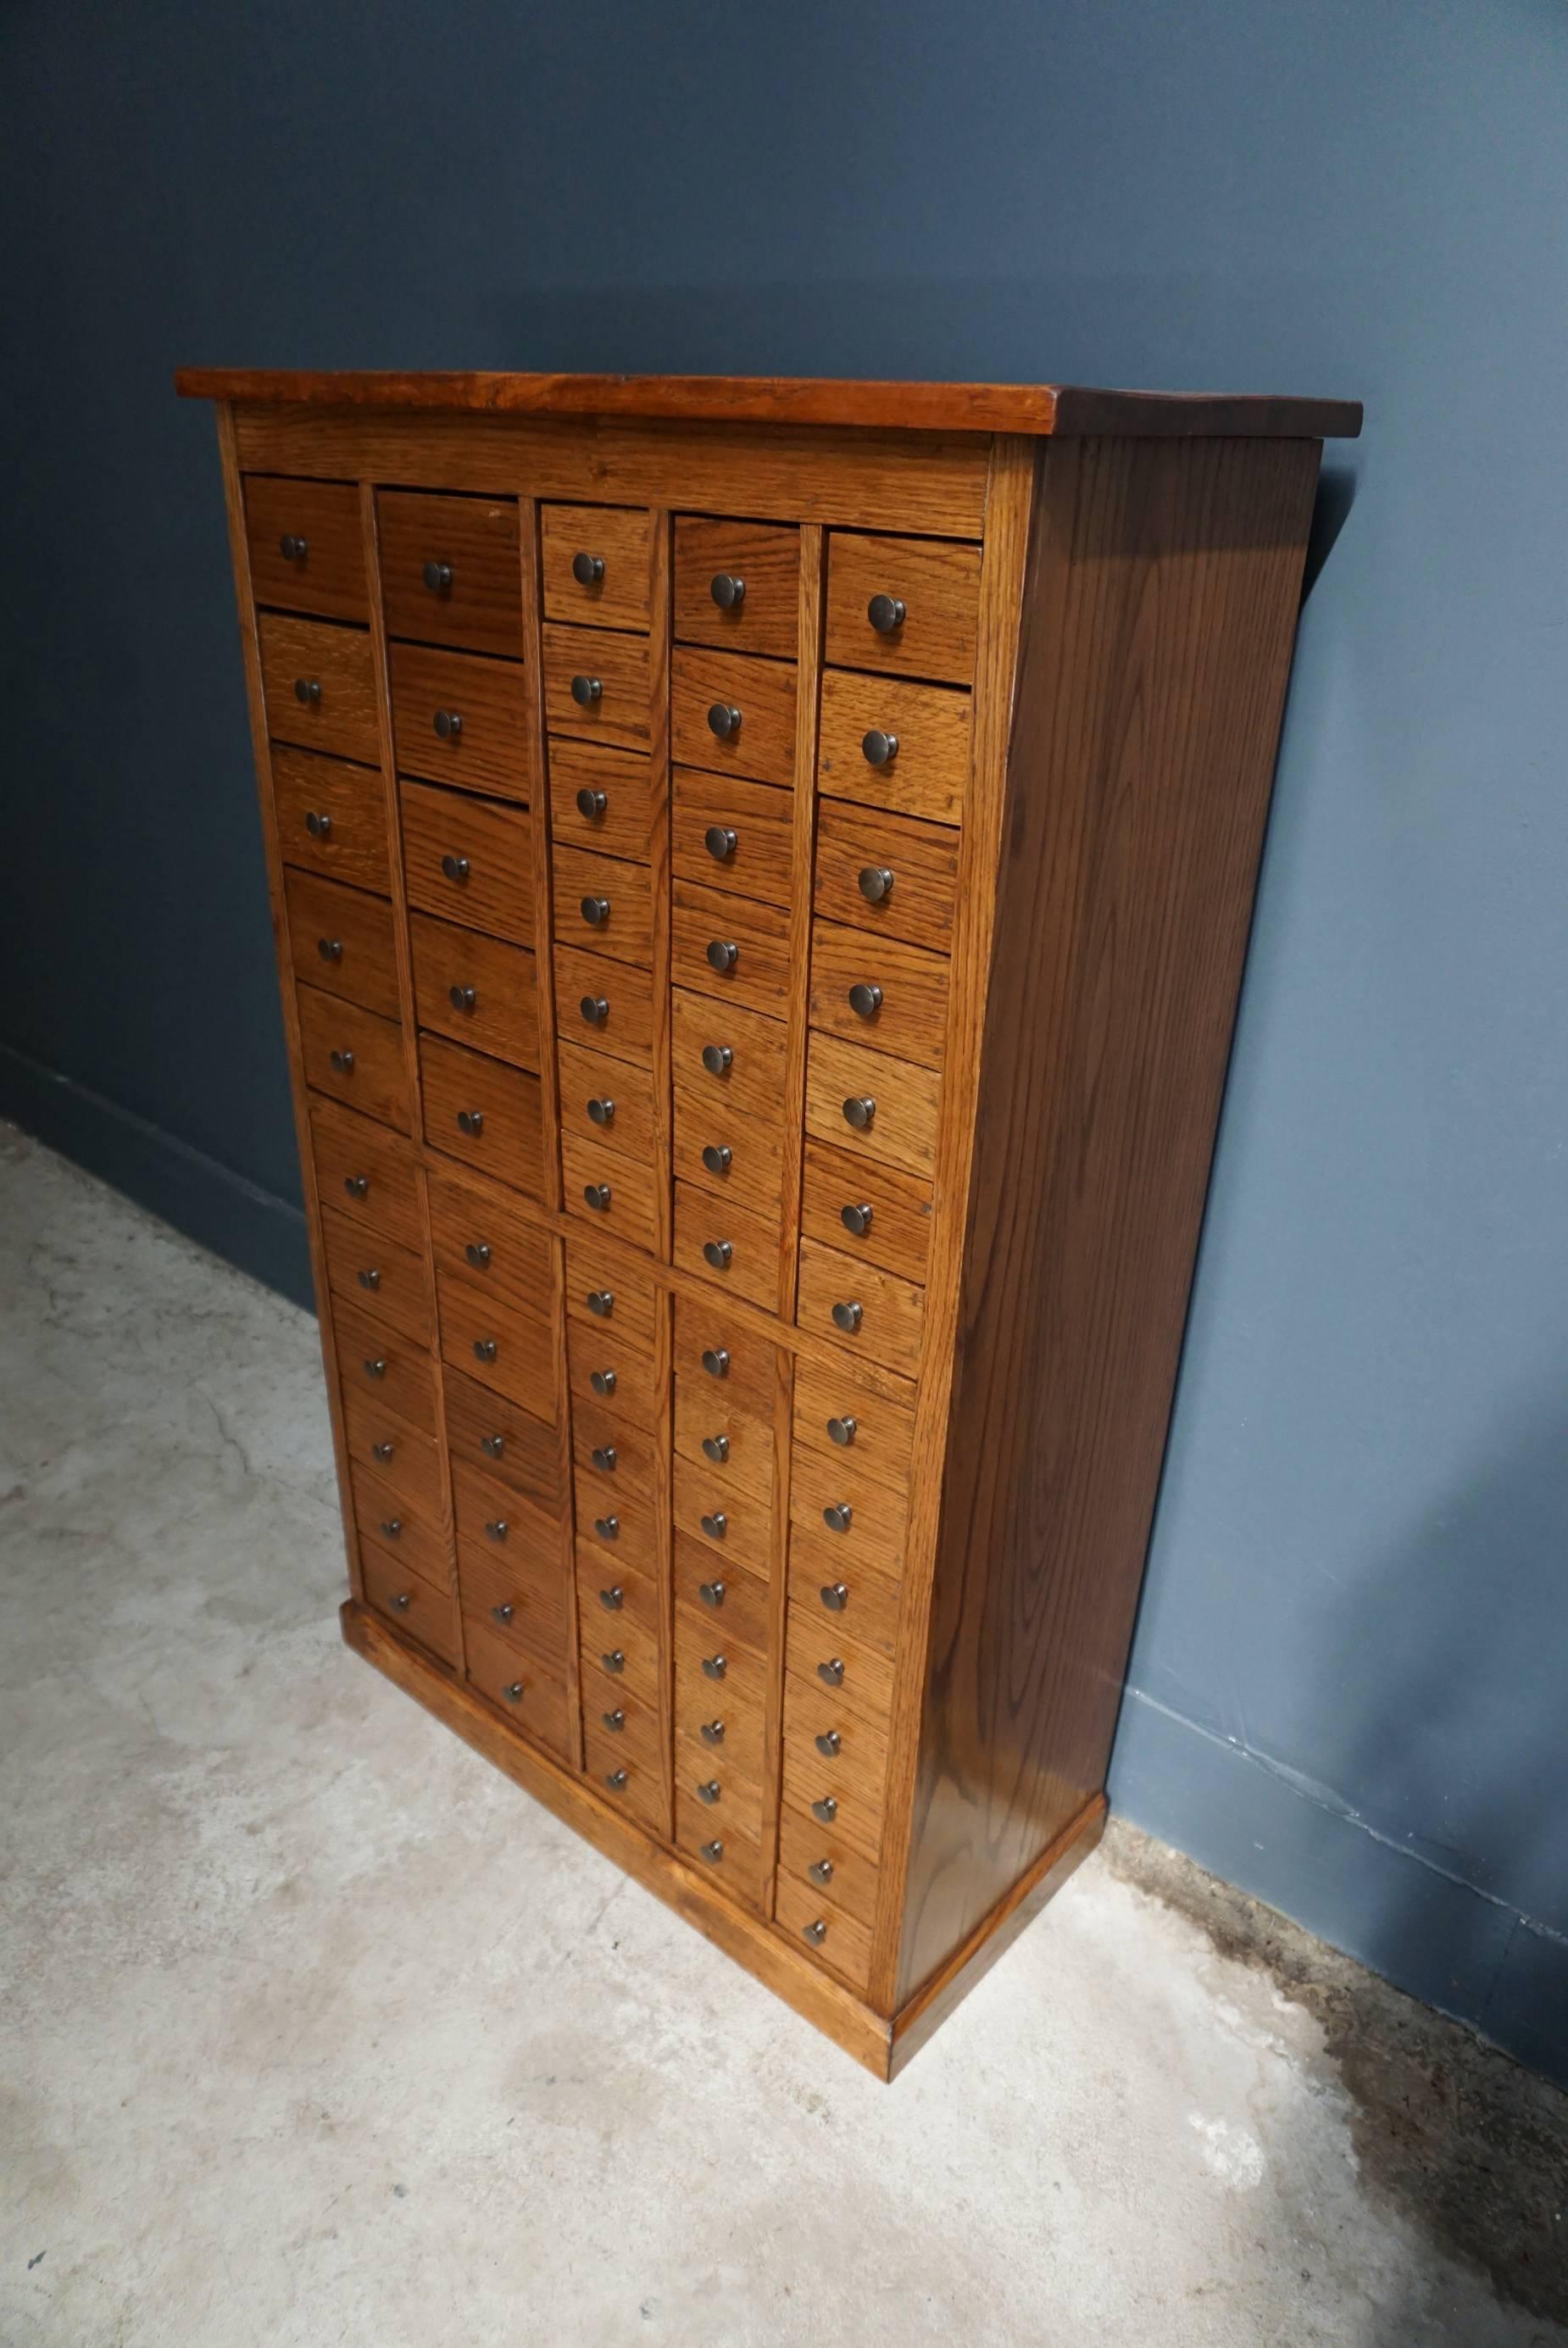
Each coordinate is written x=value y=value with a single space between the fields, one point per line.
x=903 y=606
x=342 y=940
x=409 y=1528
x=713 y=1678
x=735 y=1599
x=607 y=1003
x=722 y=1052
x=736 y=834
x=510 y=1553
x=822 y=1738
x=857 y=1602
x=468 y=860
x=612 y=1192
x=714 y=1358
x=602 y=798
x=596 y=685
x=729 y=1796
x=630 y=1720
x=488 y=1249
x=625 y=1779
x=836 y=1418
x=725 y=1849
x=837 y=1939
x=608 y=1101
x=512 y=1351
x=385 y=1364
x=735 y=1250
x=615 y=1659
x=497 y=1436
x=526 y=1610
x=450 y=571
x=356 y=1056
x=735 y=1156
x=927 y=774
x=484 y=1111
x=615 y=1458
x=617 y=1527
x=867 y=1310
x=880 y=991
x=718 y=1516
x=534 y=1700
x=733 y=715
x=306 y=546
x=608 y=1369
x=824 y=1865
x=729 y=1744
x=363 y=1173
x=819 y=1649
x=478 y=990
x=872 y=1104
x=615 y=1610
x=413 y=1606
x=331 y=818
x=460 y=718
x=611 y=1301
x=597 y=564
x=862 y=1522
x=738 y=585
x=875 y=1213
x=604 y=905
x=319 y=684
x=736 y=1447
x=887 y=874
x=408 y=1462
x=389 y=1280
x=732 y=948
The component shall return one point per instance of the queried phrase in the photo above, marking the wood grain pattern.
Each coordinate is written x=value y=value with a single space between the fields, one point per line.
x=763 y=556
x=902 y=1102
x=532 y=587
x=889 y=1210
x=493 y=849
x=420 y=1609
x=365 y=1172
x=891 y=1317
x=911 y=1019
x=617 y=664
x=756 y=859
x=938 y=585
x=807 y=722
x=931 y=726
x=1159 y=625
x=762 y=745
x=488 y=751
x=609 y=1005
x=391 y=1367
x=507 y=1139
x=750 y=1268
x=330 y=818
x=342 y=939
x=758 y=975
x=478 y=1234
x=331 y=665
x=614 y=1192
x=497 y=1010
x=923 y=858
x=751 y=1168
x=604 y=904
x=661 y=560
x=474 y=541
x=623 y=1099
x=356 y=1056
x=615 y=536
x=328 y=578
x=619 y=817
x=391 y=1281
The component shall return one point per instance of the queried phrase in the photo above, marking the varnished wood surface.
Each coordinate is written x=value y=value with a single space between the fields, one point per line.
x=787 y=399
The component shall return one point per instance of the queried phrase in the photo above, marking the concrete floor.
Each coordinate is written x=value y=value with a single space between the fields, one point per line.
x=317 y=2031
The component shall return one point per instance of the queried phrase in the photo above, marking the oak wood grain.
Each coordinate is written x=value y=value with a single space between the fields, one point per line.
x=910 y=1014
x=488 y=749
x=618 y=537
x=763 y=556
x=923 y=858
x=938 y=584
x=323 y=574
x=491 y=846
x=342 y=939
x=601 y=798
x=927 y=774
x=330 y=818
x=474 y=544
x=762 y=745
x=319 y=686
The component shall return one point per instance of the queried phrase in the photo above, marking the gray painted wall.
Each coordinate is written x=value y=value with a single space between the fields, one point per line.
x=1350 y=1683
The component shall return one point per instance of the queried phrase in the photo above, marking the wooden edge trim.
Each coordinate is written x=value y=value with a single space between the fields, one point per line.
x=812 y=560
x=531 y=590
x=919 y=2018
x=749 y=1940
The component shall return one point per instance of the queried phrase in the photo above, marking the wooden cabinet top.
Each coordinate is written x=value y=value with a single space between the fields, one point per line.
x=1063 y=410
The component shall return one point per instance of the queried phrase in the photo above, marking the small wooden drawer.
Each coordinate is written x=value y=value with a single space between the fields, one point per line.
x=609 y=1369
x=728 y=1797
x=331 y=818
x=489 y=1432
x=836 y=1418
x=828 y=1797
x=374 y=1360
x=819 y=1649
x=866 y=1309
x=612 y=1458
x=819 y=1723
x=718 y=1516
x=414 y=1608
x=597 y=564
x=511 y=1351
x=733 y=715
x=596 y=685
x=607 y=1100
x=450 y=571
x=511 y=1554
x=526 y=1607
x=887 y=873
x=716 y=1736
x=736 y=1447
x=460 y=718
x=603 y=799
x=870 y=1104
x=762 y=559
x=727 y=1850
x=630 y=1720
x=407 y=1527
x=708 y=1674
x=736 y=834
x=817 y=1858
x=468 y=860
x=927 y=774
x=609 y=1296
x=728 y=1053
x=870 y=1211
x=389 y=1280
x=356 y=1055
x=719 y=1149
x=863 y=1522
x=363 y=1173
x=905 y=606
x=306 y=546
x=533 y=1700
x=483 y=1110
x=732 y=1249
x=879 y=991
x=857 y=1604
x=489 y=1246
x=615 y=1193
x=614 y=1659
x=835 y=1938
x=478 y=990
x=342 y=939
x=615 y=1608
x=721 y=1589
x=607 y=1003
x=406 y=1461
x=616 y=1525
x=718 y=1360
x=319 y=684
x=732 y=948
x=625 y=1780
x=603 y=904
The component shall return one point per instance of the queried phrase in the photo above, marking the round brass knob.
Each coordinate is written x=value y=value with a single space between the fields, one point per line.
x=717 y=1059
x=587 y=690
x=592 y=804
x=438 y=578
x=879 y=748
x=727 y=590
x=723 y=719
x=588 y=570
x=885 y=613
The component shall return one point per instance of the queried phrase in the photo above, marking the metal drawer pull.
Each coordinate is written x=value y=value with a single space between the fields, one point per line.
x=461 y=998
x=842 y=1431
x=717 y=1157
x=369 y=1278
x=587 y=690
x=713 y=1850
x=484 y=1349
x=847 y=1317
x=717 y=1448
x=292 y=549
x=708 y=1791
x=820 y=1870
x=308 y=692
x=456 y=867
x=834 y=1596
x=595 y=911
x=614 y=1721
x=885 y=613
x=612 y=1600
x=438 y=578
x=356 y=1185
x=875 y=882
x=832 y=1672
x=717 y=1059
x=722 y=953
x=607 y=1527
x=382 y=1454
x=477 y=1253
x=616 y=1661
x=826 y=1809
x=601 y=1301
x=727 y=590
x=616 y=1781
x=816 y=1932
x=392 y=1527
x=714 y=1667
x=880 y=749
x=597 y=1196
x=723 y=719
x=603 y=1381
x=342 y=1062
x=829 y=1744
x=318 y=825
x=504 y=1614
x=592 y=805
x=588 y=570
x=715 y=1361
x=711 y=1593
x=448 y=724
x=375 y=1369
x=471 y=1121
x=594 y=1009
x=601 y=1109
x=403 y=1601
x=497 y=1529
x=856 y=1218
x=330 y=949
x=721 y=840
x=838 y=1515
x=860 y=1111
x=713 y=1732
x=492 y=1445
x=717 y=1525
x=604 y=1458
x=717 y=1253
x=866 y=999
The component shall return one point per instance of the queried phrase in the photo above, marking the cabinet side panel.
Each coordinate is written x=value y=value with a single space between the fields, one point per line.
x=1160 y=605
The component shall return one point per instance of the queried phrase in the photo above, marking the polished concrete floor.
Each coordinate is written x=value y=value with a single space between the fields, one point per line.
x=316 y=2034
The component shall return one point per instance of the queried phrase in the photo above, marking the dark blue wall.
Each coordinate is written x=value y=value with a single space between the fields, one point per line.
x=1351 y=1678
